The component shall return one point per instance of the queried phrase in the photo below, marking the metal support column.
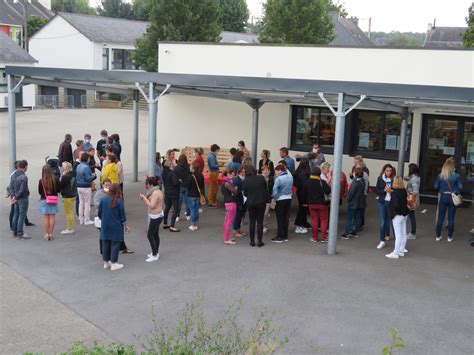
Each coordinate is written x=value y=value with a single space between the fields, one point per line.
x=11 y=122
x=136 y=116
x=255 y=105
x=337 y=165
x=403 y=143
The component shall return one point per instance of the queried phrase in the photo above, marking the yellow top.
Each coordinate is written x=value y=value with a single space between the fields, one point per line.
x=110 y=172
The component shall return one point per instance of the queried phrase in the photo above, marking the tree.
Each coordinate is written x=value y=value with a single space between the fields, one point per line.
x=115 y=8
x=141 y=9
x=468 y=35
x=337 y=8
x=177 y=20
x=34 y=23
x=234 y=15
x=72 y=6
x=398 y=39
x=297 y=22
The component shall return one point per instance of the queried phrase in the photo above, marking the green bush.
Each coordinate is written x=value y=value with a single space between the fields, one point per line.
x=80 y=348
x=395 y=343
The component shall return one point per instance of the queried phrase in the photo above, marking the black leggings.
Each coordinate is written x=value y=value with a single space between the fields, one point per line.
x=256 y=214
x=282 y=211
x=154 y=234
x=171 y=202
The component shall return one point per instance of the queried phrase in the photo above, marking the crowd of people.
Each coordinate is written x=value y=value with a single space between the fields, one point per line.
x=247 y=188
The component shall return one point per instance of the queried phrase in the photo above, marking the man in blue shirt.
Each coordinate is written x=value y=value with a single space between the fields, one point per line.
x=290 y=162
x=213 y=166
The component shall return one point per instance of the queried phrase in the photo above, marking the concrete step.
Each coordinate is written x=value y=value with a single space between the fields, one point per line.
x=142 y=105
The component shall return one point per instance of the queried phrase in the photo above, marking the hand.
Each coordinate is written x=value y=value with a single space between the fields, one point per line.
x=142 y=196
x=127 y=229
x=6 y=195
x=13 y=201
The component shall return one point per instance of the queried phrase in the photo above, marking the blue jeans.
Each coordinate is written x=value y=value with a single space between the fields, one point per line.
x=445 y=204
x=110 y=250
x=353 y=214
x=236 y=224
x=411 y=215
x=183 y=196
x=193 y=203
x=384 y=218
x=19 y=216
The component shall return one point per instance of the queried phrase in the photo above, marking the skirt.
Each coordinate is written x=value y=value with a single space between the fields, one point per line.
x=44 y=208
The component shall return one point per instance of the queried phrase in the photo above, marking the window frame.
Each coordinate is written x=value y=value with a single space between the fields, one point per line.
x=3 y=76
x=106 y=55
x=125 y=53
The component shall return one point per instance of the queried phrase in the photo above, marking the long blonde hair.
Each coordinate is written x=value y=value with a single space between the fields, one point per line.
x=398 y=183
x=448 y=168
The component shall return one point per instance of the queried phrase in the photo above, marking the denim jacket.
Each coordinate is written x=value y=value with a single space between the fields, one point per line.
x=442 y=185
x=212 y=162
x=283 y=185
x=84 y=176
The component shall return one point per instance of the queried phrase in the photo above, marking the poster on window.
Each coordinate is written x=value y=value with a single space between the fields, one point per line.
x=364 y=140
x=436 y=143
x=448 y=150
x=470 y=153
x=392 y=142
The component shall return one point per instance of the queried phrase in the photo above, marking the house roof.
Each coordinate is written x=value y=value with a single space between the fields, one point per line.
x=237 y=37
x=444 y=37
x=106 y=29
x=11 y=52
x=11 y=13
x=348 y=33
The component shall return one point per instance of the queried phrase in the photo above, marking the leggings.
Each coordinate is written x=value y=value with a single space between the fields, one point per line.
x=171 y=202
x=154 y=234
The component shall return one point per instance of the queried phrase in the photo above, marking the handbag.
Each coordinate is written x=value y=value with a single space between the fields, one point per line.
x=97 y=222
x=327 y=200
x=412 y=204
x=202 y=198
x=50 y=199
x=457 y=198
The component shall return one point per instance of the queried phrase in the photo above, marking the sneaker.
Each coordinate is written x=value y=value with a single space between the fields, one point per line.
x=345 y=236
x=67 y=231
x=324 y=240
x=313 y=240
x=152 y=258
x=177 y=219
x=285 y=239
x=214 y=206
x=200 y=210
x=411 y=236
x=116 y=266
x=277 y=240
x=230 y=242
x=24 y=236
x=193 y=228
x=355 y=235
x=81 y=222
x=88 y=223
x=265 y=230
x=173 y=229
x=29 y=224
x=303 y=230
x=188 y=218
x=438 y=239
x=401 y=254
x=106 y=264
x=392 y=255
x=450 y=239
x=298 y=230
x=381 y=245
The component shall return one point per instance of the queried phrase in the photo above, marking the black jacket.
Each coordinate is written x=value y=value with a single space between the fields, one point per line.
x=192 y=187
x=182 y=173
x=300 y=180
x=380 y=189
x=170 y=183
x=315 y=190
x=55 y=192
x=256 y=190
x=270 y=167
x=229 y=196
x=398 y=203
x=68 y=185
x=356 y=197
x=100 y=148
x=65 y=153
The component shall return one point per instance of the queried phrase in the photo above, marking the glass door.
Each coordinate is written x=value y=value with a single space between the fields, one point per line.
x=467 y=160
x=440 y=137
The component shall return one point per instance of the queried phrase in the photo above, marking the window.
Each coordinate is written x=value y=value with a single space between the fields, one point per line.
x=105 y=59
x=379 y=133
x=122 y=59
x=3 y=81
x=312 y=125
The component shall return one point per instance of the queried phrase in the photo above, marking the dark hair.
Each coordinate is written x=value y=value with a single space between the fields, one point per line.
x=284 y=149
x=113 y=158
x=103 y=133
x=280 y=167
x=48 y=180
x=116 y=193
x=303 y=167
x=152 y=180
x=359 y=172
x=266 y=152
x=68 y=137
x=232 y=151
x=182 y=160
x=242 y=143
x=195 y=167
x=413 y=169
x=316 y=171
x=110 y=140
x=250 y=170
x=90 y=149
x=394 y=173
x=106 y=180
x=238 y=156
x=109 y=148
x=240 y=169
x=283 y=162
x=87 y=135
x=229 y=171
x=22 y=164
x=84 y=158
x=79 y=142
x=215 y=147
x=158 y=158
x=115 y=137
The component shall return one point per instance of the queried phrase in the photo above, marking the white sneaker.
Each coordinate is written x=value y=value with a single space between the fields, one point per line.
x=200 y=210
x=392 y=255
x=405 y=251
x=88 y=223
x=81 y=222
x=153 y=258
x=401 y=254
x=411 y=236
x=303 y=230
x=67 y=231
x=188 y=218
x=106 y=264
x=450 y=239
x=177 y=219
x=439 y=238
x=116 y=266
x=193 y=228
x=298 y=230
x=265 y=230
x=381 y=245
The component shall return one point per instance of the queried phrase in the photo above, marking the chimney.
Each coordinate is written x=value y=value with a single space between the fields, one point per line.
x=355 y=20
x=434 y=23
x=430 y=27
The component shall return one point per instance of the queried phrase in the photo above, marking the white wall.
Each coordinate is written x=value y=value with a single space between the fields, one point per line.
x=403 y=66
x=28 y=90
x=60 y=45
x=98 y=53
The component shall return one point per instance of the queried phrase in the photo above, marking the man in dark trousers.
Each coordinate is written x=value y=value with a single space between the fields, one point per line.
x=100 y=147
x=20 y=197
x=10 y=194
x=65 y=150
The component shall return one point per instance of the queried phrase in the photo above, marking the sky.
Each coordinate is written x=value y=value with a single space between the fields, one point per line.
x=393 y=15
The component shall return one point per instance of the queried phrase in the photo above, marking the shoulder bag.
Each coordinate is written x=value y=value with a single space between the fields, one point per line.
x=457 y=198
x=327 y=200
x=412 y=204
x=50 y=199
x=202 y=198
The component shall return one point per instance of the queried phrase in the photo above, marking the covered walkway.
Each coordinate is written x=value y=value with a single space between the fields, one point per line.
x=339 y=96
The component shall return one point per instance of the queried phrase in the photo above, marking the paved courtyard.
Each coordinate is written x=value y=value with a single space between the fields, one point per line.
x=54 y=293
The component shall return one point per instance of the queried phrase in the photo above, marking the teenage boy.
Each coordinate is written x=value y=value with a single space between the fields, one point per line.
x=213 y=166
x=101 y=144
x=356 y=203
x=65 y=150
x=87 y=142
x=20 y=200
x=290 y=162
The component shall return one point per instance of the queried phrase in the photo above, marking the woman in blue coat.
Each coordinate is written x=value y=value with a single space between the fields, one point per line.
x=113 y=225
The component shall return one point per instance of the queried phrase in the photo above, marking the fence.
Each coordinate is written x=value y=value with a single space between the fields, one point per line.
x=83 y=101
x=53 y=101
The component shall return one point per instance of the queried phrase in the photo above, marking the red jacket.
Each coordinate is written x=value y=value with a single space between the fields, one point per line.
x=199 y=161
